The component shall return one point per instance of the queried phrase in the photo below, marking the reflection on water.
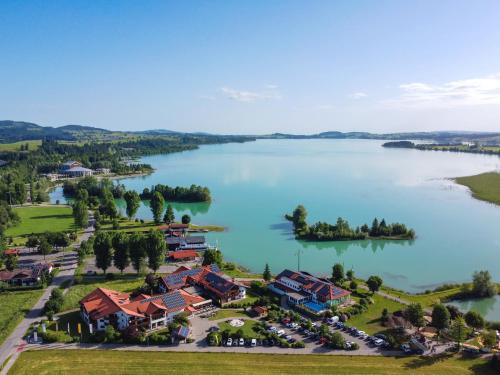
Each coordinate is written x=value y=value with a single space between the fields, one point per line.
x=489 y=308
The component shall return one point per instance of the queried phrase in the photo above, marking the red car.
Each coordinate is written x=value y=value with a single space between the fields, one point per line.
x=285 y=321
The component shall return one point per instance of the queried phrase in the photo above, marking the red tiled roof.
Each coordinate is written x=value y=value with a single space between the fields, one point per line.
x=11 y=252
x=182 y=254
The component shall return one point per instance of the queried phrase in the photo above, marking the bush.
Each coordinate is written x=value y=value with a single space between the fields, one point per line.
x=53 y=336
x=111 y=335
x=337 y=341
x=298 y=344
x=354 y=346
x=157 y=338
x=110 y=276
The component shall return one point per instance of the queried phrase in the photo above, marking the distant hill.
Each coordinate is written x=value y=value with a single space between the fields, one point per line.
x=15 y=131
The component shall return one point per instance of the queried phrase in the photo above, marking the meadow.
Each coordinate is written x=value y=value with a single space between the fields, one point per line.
x=484 y=186
x=13 y=307
x=39 y=219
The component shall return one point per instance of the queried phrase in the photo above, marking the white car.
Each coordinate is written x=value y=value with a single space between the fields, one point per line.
x=253 y=343
x=379 y=342
x=281 y=332
x=332 y=320
x=229 y=342
x=242 y=342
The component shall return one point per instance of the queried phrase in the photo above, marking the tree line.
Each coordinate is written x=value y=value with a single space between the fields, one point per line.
x=342 y=231
x=194 y=193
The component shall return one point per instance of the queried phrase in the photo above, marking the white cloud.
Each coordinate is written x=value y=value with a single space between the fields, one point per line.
x=358 y=95
x=250 y=96
x=466 y=92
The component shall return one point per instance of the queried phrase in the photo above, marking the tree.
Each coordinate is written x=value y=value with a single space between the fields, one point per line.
x=169 y=217
x=474 y=319
x=338 y=273
x=121 y=256
x=374 y=283
x=458 y=331
x=385 y=315
x=489 y=338
x=212 y=256
x=32 y=242
x=137 y=251
x=133 y=202
x=44 y=247
x=11 y=262
x=266 y=275
x=108 y=207
x=374 y=230
x=482 y=285
x=155 y=249
x=440 y=317
x=298 y=218
x=415 y=314
x=349 y=275
x=156 y=203
x=353 y=285
x=103 y=251
x=186 y=219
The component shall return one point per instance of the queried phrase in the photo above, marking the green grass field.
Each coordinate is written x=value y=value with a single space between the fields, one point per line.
x=485 y=186
x=426 y=300
x=228 y=313
x=369 y=321
x=247 y=328
x=78 y=291
x=13 y=308
x=32 y=145
x=39 y=219
x=126 y=362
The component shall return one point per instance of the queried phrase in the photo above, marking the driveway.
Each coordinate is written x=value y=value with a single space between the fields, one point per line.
x=14 y=344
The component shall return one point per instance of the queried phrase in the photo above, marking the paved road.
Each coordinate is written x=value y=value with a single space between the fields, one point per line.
x=14 y=344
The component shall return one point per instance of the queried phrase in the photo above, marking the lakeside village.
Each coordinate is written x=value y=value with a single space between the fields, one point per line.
x=200 y=305
x=195 y=301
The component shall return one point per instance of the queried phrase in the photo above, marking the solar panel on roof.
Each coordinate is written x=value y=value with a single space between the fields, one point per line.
x=173 y=300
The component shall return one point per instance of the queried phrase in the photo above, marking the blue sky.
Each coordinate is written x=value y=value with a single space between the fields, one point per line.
x=252 y=67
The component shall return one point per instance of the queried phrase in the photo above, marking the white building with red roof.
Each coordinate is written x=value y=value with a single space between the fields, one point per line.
x=103 y=307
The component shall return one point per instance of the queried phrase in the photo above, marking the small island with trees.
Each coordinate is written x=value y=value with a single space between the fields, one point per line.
x=342 y=231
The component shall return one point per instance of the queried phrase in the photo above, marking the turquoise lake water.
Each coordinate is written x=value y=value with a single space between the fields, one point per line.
x=254 y=184
x=489 y=308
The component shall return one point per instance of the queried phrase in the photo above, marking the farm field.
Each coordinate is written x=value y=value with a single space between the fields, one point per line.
x=13 y=307
x=126 y=362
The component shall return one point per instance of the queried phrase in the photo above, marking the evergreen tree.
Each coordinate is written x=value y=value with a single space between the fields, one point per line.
x=155 y=249
x=121 y=256
x=103 y=251
x=133 y=202
x=137 y=251
x=80 y=214
x=169 y=217
x=156 y=203
x=474 y=320
x=266 y=275
x=374 y=231
x=338 y=273
x=458 y=331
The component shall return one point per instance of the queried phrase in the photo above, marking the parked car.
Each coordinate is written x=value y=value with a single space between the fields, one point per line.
x=379 y=342
x=281 y=332
x=332 y=320
x=381 y=336
x=229 y=342
x=288 y=337
x=242 y=342
x=291 y=340
x=406 y=348
x=253 y=343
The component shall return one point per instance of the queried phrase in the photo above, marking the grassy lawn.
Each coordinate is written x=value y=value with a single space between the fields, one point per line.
x=41 y=219
x=32 y=145
x=247 y=328
x=228 y=313
x=13 y=308
x=129 y=225
x=77 y=292
x=369 y=321
x=485 y=186
x=122 y=362
x=426 y=300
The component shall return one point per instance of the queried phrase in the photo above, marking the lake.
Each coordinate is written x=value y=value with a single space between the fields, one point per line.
x=254 y=184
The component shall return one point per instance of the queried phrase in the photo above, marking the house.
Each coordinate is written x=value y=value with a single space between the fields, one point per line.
x=258 y=311
x=182 y=255
x=209 y=278
x=28 y=276
x=103 y=171
x=186 y=243
x=307 y=291
x=103 y=307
